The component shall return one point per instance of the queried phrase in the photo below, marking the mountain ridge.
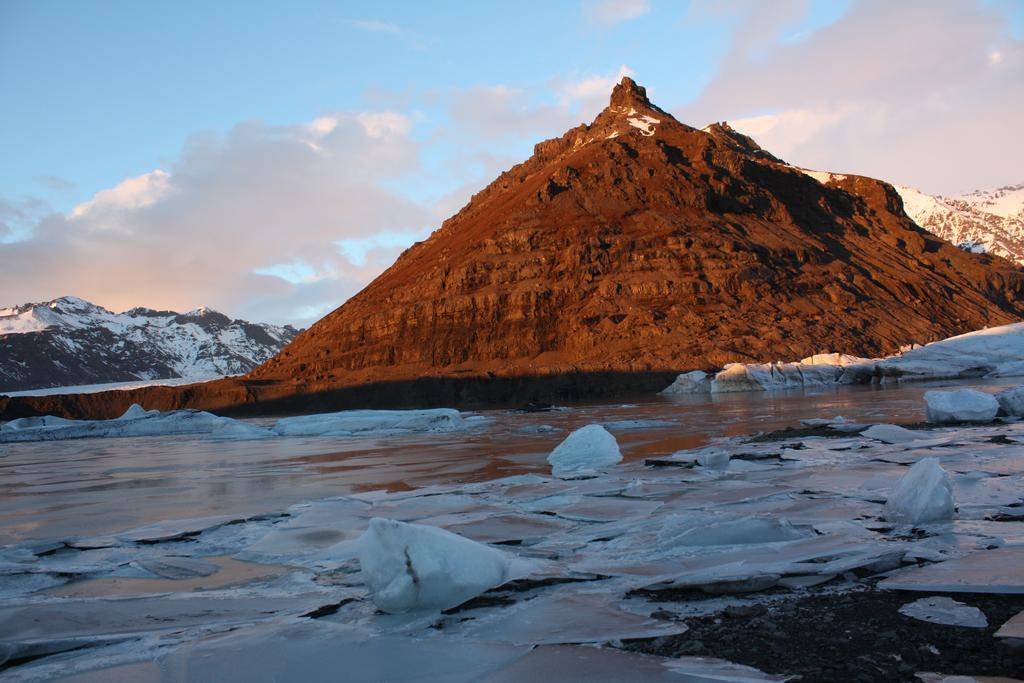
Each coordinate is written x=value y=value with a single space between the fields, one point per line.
x=69 y=342
x=620 y=253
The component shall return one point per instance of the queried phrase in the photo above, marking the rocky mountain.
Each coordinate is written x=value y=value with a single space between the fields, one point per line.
x=618 y=255
x=69 y=341
x=985 y=220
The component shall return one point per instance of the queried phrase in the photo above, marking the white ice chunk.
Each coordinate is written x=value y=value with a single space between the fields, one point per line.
x=892 y=434
x=1012 y=401
x=943 y=610
x=349 y=422
x=136 y=411
x=696 y=382
x=586 y=449
x=410 y=567
x=924 y=494
x=963 y=405
x=713 y=458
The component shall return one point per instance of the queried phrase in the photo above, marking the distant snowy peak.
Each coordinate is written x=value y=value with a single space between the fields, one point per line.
x=983 y=221
x=990 y=221
x=70 y=341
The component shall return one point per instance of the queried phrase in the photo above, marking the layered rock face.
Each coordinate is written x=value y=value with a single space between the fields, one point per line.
x=638 y=243
x=633 y=247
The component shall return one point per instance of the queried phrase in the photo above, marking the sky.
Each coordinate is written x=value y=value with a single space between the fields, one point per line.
x=269 y=159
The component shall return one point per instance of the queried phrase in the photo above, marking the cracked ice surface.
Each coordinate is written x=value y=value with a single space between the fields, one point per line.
x=280 y=589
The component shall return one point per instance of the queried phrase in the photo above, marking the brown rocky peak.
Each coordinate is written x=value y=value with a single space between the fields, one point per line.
x=629 y=95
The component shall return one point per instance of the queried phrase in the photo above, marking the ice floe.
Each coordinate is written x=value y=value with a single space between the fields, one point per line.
x=925 y=494
x=1011 y=401
x=587 y=449
x=136 y=422
x=946 y=611
x=992 y=352
x=892 y=434
x=350 y=422
x=695 y=382
x=962 y=405
x=987 y=571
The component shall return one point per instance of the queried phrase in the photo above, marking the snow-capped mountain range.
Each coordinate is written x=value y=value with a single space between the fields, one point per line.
x=71 y=342
x=984 y=220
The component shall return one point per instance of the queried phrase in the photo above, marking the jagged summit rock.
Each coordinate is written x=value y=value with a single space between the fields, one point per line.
x=624 y=252
x=627 y=93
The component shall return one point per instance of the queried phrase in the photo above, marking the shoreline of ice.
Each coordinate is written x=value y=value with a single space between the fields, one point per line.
x=991 y=353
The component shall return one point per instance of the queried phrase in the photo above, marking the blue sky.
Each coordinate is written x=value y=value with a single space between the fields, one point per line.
x=97 y=93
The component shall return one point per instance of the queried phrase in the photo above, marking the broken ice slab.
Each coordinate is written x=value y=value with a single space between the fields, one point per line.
x=63 y=619
x=710 y=670
x=604 y=509
x=510 y=528
x=892 y=434
x=1014 y=628
x=606 y=665
x=349 y=422
x=173 y=567
x=986 y=571
x=152 y=423
x=325 y=651
x=943 y=610
x=175 y=529
x=562 y=618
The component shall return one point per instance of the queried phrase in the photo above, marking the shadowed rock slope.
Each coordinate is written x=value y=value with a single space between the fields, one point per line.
x=623 y=252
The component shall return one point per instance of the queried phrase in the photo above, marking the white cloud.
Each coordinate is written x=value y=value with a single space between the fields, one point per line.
x=107 y=208
x=379 y=124
x=608 y=13
x=244 y=222
x=905 y=91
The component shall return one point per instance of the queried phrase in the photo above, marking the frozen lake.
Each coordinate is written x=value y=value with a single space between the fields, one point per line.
x=182 y=557
x=95 y=486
